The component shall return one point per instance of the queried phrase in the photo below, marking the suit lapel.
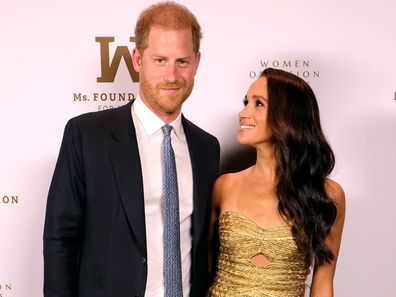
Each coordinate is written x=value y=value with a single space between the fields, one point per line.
x=125 y=159
x=199 y=202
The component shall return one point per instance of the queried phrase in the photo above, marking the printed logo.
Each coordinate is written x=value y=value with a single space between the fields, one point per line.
x=300 y=67
x=5 y=289
x=9 y=199
x=109 y=68
x=107 y=100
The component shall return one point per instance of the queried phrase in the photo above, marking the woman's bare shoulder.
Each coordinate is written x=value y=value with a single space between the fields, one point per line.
x=229 y=179
x=226 y=183
x=226 y=178
x=335 y=192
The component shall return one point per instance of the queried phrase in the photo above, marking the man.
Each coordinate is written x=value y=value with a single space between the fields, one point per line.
x=107 y=222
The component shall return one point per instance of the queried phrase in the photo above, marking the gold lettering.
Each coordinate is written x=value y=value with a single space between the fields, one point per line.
x=80 y=97
x=264 y=63
x=105 y=107
x=10 y=200
x=131 y=96
x=109 y=69
x=285 y=63
x=113 y=96
x=252 y=74
x=6 y=287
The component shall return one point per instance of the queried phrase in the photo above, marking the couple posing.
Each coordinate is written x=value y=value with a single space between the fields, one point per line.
x=136 y=191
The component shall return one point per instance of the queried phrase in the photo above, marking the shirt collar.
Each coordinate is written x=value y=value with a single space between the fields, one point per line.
x=150 y=122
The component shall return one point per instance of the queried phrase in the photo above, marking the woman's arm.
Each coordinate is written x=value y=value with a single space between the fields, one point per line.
x=213 y=237
x=323 y=275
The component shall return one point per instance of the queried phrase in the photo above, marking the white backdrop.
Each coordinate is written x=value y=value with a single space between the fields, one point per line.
x=345 y=49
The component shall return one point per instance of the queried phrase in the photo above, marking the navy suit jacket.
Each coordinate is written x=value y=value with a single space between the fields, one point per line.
x=94 y=233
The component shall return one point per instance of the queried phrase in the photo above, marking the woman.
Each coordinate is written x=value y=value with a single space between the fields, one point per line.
x=283 y=215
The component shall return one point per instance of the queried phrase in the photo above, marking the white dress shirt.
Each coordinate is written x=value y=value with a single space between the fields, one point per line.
x=149 y=138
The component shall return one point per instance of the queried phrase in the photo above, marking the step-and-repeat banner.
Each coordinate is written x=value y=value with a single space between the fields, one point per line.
x=63 y=58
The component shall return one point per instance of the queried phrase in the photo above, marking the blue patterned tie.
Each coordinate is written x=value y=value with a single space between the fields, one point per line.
x=172 y=259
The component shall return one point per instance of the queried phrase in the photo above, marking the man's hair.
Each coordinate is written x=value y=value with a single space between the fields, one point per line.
x=169 y=15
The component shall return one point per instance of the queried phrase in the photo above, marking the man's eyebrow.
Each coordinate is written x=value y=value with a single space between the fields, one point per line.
x=184 y=58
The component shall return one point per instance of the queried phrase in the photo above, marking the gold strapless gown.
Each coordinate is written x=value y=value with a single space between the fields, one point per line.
x=237 y=276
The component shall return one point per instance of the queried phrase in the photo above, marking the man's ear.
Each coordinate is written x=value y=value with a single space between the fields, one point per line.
x=136 y=59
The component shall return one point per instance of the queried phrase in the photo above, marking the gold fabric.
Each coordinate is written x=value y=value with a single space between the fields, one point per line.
x=236 y=275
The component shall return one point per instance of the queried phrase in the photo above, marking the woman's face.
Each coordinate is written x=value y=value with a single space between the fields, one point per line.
x=254 y=129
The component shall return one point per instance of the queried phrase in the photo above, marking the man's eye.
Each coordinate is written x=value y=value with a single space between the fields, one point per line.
x=182 y=62
x=160 y=61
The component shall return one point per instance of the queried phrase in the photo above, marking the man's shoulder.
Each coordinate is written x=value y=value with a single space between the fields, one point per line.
x=103 y=117
x=195 y=131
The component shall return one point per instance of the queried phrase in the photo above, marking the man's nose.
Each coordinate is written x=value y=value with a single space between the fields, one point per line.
x=171 y=73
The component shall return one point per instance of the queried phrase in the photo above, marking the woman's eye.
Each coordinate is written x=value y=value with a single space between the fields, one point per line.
x=259 y=103
x=245 y=102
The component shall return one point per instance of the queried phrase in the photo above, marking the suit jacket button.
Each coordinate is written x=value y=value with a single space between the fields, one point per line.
x=144 y=261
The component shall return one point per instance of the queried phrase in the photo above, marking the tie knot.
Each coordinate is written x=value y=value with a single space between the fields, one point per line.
x=167 y=129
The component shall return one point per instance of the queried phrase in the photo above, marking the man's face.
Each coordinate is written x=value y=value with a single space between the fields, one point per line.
x=167 y=69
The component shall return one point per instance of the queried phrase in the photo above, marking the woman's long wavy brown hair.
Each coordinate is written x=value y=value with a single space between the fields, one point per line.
x=304 y=159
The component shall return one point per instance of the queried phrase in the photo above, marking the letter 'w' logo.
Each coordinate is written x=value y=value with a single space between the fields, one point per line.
x=109 y=68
